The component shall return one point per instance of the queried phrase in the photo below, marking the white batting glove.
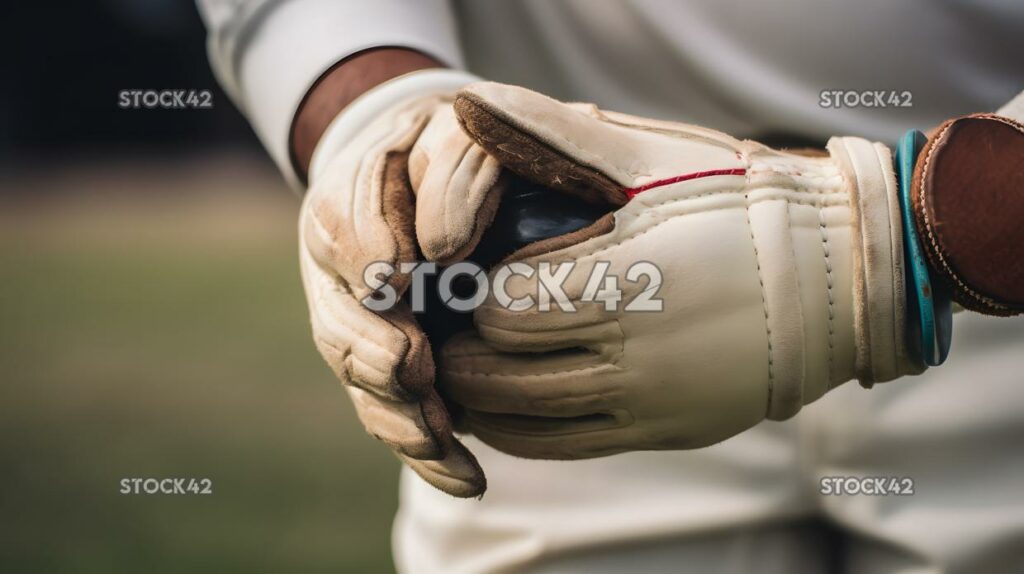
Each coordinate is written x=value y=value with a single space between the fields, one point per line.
x=781 y=277
x=394 y=158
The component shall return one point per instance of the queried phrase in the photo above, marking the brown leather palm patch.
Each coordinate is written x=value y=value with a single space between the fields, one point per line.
x=968 y=199
x=531 y=158
x=400 y=213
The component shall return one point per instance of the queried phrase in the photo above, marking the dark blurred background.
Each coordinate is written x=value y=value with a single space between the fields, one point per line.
x=152 y=322
x=60 y=94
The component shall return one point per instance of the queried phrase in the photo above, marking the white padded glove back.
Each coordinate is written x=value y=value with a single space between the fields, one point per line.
x=782 y=278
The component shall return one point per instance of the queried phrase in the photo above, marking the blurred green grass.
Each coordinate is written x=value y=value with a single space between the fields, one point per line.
x=167 y=336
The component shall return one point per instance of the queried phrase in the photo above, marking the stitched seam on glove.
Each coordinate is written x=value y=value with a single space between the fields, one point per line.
x=675 y=134
x=610 y=247
x=764 y=305
x=489 y=351
x=612 y=358
x=895 y=259
x=632 y=192
x=800 y=297
x=775 y=165
x=509 y=374
x=823 y=227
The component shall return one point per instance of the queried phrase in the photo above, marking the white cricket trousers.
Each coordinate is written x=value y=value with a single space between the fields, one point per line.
x=754 y=503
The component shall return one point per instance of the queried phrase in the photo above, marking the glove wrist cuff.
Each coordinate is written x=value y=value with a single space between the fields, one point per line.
x=879 y=298
x=367 y=107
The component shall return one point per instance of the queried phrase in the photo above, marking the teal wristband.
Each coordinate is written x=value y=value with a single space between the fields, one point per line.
x=929 y=303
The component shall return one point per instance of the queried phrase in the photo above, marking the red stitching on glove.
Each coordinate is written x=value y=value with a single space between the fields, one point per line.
x=631 y=192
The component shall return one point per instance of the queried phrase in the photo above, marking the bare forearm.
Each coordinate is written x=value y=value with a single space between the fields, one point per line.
x=342 y=84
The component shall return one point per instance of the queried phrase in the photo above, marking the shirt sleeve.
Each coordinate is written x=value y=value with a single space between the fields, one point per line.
x=268 y=53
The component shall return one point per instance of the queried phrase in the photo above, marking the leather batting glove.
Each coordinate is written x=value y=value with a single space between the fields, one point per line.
x=394 y=161
x=780 y=277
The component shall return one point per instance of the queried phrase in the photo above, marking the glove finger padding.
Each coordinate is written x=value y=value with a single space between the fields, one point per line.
x=420 y=434
x=360 y=211
x=458 y=188
x=374 y=351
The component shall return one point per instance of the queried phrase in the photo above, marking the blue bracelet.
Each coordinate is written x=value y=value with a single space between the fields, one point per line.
x=929 y=304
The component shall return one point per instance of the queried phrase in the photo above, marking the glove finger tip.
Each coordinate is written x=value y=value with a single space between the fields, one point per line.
x=458 y=474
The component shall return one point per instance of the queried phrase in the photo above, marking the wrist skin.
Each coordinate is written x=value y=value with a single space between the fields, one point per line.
x=339 y=86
